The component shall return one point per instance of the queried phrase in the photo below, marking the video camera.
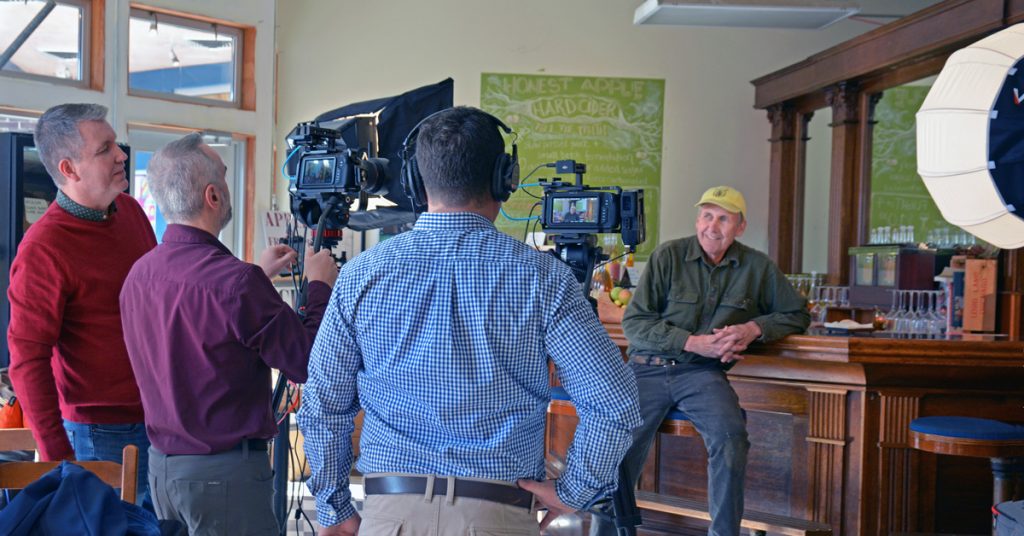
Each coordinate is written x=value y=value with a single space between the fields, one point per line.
x=576 y=209
x=330 y=176
x=574 y=213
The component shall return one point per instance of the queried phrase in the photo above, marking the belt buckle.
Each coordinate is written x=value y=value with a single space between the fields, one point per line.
x=663 y=361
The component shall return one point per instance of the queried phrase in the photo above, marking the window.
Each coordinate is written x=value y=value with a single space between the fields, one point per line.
x=44 y=39
x=15 y=122
x=183 y=59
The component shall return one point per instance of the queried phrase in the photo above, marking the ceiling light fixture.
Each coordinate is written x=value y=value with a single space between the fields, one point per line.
x=804 y=14
x=174 y=59
x=152 y=24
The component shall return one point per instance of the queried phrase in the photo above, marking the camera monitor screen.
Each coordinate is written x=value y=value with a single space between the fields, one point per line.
x=570 y=210
x=317 y=171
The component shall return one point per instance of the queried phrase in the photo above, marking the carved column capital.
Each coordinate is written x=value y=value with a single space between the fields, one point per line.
x=805 y=119
x=782 y=117
x=843 y=98
x=872 y=102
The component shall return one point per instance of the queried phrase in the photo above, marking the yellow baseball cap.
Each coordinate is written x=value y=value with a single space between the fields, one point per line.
x=726 y=197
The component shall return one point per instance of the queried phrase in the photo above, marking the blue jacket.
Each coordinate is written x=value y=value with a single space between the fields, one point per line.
x=71 y=500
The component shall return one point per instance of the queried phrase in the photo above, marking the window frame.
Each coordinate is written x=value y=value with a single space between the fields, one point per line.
x=197 y=23
x=85 y=41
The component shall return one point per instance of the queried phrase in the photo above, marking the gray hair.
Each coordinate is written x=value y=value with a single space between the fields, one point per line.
x=177 y=174
x=57 y=136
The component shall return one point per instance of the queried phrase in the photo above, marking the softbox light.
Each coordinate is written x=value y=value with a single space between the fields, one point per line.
x=970 y=139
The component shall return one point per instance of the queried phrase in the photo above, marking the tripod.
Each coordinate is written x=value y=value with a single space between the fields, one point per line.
x=581 y=253
x=282 y=443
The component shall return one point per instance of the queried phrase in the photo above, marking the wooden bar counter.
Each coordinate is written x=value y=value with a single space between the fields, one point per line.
x=828 y=420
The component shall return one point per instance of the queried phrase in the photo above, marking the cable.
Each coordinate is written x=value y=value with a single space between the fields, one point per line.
x=298 y=490
x=526 y=228
x=513 y=218
x=524 y=184
x=611 y=260
x=284 y=164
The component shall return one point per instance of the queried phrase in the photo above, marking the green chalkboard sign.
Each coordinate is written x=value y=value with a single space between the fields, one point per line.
x=613 y=125
x=898 y=195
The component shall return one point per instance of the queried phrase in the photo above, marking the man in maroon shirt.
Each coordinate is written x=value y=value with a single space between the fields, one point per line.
x=69 y=365
x=203 y=330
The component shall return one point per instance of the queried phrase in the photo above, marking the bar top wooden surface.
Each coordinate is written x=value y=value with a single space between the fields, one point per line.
x=872 y=359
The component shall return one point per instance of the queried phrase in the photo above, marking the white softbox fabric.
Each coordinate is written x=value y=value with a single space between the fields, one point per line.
x=970 y=139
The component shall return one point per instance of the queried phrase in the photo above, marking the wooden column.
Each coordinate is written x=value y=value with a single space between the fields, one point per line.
x=827 y=437
x=782 y=186
x=799 y=202
x=844 y=99
x=861 y=207
x=897 y=499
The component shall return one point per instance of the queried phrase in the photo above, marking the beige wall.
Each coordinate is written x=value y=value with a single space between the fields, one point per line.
x=338 y=52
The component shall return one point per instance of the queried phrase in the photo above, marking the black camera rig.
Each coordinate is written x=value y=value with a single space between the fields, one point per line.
x=330 y=176
x=573 y=214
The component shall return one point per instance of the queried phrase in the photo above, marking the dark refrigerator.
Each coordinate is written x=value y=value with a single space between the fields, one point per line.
x=25 y=192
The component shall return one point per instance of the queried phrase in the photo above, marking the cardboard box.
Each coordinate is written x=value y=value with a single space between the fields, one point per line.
x=980 y=295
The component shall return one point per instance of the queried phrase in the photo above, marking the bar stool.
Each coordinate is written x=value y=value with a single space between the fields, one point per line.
x=675 y=423
x=1001 y=442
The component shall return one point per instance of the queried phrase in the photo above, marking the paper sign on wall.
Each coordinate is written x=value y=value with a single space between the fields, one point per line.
x=34 y=209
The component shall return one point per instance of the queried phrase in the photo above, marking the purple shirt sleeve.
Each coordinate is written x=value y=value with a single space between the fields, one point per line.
x=269 y=326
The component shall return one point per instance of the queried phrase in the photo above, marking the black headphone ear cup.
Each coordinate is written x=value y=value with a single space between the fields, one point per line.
x=412 y=182
x=419 y=189
x=499 y=181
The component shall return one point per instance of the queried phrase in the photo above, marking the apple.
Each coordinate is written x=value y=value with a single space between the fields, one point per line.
x=614 y=293
x=624 y=296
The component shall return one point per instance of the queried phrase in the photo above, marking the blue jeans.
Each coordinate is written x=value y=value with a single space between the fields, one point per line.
x=104 y=442
x=701 y=391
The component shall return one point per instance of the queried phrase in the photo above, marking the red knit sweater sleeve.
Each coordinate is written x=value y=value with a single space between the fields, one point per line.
x=37 y=293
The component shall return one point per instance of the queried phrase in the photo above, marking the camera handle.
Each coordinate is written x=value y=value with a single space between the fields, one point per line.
x=581 y=253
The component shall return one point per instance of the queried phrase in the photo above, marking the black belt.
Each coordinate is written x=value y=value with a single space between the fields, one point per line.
x=654 y=360
x=254 y=444
x=469 y=489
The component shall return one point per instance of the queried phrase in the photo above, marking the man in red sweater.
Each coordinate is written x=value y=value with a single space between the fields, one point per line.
x=69 y=364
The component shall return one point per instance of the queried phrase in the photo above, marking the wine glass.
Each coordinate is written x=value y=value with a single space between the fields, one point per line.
x=816 y=305
x=936 y=320
x=921 y=320
x=890 y=315
x=826 y=299
x=900 y=318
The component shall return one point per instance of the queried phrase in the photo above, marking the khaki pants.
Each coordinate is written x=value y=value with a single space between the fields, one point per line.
x=427 y=515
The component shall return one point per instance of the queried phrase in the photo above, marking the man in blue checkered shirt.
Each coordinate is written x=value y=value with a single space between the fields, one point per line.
x=443 y=336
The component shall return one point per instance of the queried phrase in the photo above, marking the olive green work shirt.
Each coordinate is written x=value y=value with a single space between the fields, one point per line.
x=681 y=294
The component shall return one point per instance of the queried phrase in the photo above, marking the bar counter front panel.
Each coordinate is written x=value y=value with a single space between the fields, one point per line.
x=828 y=419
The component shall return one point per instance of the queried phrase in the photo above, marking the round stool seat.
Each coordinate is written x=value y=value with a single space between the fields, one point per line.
x=967 y=436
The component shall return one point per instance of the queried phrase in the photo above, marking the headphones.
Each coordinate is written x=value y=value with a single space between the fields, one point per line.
x=504 y=179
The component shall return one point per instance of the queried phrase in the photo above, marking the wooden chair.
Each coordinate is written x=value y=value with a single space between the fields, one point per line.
x=16 y=439
x=124 y=475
